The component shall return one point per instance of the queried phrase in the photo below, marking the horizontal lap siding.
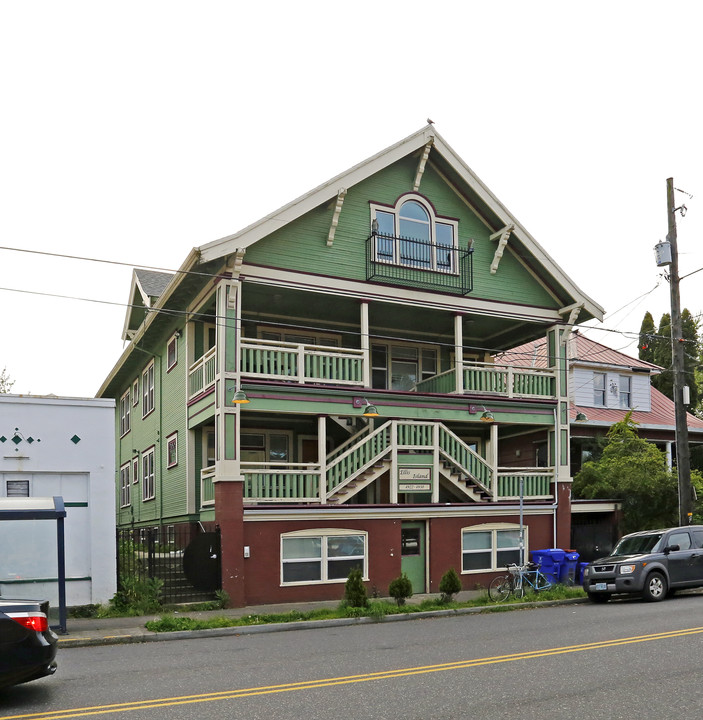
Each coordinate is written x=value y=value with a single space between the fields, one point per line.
x=301 y=245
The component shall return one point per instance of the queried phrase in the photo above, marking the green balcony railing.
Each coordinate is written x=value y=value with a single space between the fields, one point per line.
x=536 y=483
x=201 y=374
x=486 y=378
x=302 y=363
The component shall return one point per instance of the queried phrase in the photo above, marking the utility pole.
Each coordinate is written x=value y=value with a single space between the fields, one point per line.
x=683 y=456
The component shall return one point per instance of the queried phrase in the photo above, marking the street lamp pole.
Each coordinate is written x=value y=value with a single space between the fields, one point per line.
x=683 y=457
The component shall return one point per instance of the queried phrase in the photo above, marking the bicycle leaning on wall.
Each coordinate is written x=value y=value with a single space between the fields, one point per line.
x=519 y=579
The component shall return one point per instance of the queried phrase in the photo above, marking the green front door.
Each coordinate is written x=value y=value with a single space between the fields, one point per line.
x=412 y=563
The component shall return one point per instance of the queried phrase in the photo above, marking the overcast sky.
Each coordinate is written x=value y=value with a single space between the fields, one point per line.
x=134 y=131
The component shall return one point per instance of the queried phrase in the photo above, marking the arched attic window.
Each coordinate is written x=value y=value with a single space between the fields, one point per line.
x=412 y=235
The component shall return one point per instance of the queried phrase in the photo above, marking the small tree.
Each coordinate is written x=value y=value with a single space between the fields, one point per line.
x=449 y=585
x=5 y=382
x=400 y=589
x=633 y=471
x=355 y=590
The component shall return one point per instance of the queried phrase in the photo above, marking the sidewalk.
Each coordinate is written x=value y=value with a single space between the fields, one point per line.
x=109 y=631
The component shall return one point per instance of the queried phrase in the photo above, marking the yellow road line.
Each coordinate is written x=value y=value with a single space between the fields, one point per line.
x=346 y=680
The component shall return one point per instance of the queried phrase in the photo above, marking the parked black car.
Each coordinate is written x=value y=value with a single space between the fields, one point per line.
x=652 y=563
x=27 y=644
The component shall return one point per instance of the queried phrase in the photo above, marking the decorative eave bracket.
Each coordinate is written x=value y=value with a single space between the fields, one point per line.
x=421 y=165
x=234 y=262
x=335 y=217
x=574 y=311
x=502 y=237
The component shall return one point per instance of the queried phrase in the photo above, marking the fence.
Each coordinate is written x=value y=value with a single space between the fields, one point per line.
x=184 y=558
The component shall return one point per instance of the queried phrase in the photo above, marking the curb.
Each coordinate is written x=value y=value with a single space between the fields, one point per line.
x=142 y=635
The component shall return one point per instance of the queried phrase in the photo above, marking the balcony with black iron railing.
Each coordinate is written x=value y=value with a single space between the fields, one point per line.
x=419 y=263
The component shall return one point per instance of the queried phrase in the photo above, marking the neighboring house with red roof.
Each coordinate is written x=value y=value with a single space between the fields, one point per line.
x=604 y=385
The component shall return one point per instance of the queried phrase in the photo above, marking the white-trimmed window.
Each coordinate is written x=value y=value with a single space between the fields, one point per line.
x=125 y=408
x=172 y=450
x=300 y=338
x=409 y=233
x=625 y=387
x=135 y=470
x=490 y=547
x=321 y=556
x=599 y=389
x=401 y=366
x=135 y=392
x=125 y=486
x=261 y=446
x=172 y=352
x=148 y=492
x=148 y=389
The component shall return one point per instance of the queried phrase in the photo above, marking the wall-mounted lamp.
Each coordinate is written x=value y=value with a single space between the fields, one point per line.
x=369 y=410
x=486 y=416
x=239 y=397
x=177 y=334
x=581 y=417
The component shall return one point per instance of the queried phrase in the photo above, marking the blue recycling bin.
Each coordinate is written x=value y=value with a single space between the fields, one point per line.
x=567 y=570
x=581 y=567
x=550 y=561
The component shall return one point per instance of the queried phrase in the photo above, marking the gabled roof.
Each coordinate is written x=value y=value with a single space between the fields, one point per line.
x=661 y=416
x=473 y=189
x=581 y=350
x=147 y=287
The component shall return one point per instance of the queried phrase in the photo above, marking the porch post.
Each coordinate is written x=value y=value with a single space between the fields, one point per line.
x=458 y=355
x=229 y=515
x=492 y=457
x=365 y=344
x=394 y=462
x=322 y=455
x=435 y=462
x=557 y=339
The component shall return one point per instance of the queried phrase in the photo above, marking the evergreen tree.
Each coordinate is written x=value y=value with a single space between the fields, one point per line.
x=647 y=339
x=664 y=382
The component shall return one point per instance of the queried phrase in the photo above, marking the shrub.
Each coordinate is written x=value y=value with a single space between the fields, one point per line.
x=400 y=589
x=355 y=591
x=449 y=585
x=137 y=597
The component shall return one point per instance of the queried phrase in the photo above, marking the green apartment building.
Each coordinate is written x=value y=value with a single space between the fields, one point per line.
x=322 y=386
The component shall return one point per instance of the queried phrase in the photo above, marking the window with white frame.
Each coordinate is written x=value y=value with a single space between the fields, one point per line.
x=148 y=492
x=135 y=392
x=172 y=352
x=135 y=470
x=306 y=338
x=489 y=547
x=411 y=234
x=400 y=367
x=599 y=389
x=265 y=446
x=125 y=408
x=625 y=386
x=318 y=556
x=172 y=450
x=125 y=486
x=148 y=389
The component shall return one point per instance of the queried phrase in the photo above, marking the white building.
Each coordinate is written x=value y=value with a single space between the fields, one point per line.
x=56 y=446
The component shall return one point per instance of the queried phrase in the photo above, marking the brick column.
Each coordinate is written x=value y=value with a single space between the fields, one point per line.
x=229 y=515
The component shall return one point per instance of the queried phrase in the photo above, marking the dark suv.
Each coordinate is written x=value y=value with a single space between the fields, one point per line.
x=652 y=563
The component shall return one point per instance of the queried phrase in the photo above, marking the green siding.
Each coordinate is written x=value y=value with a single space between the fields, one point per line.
x=301 y=245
